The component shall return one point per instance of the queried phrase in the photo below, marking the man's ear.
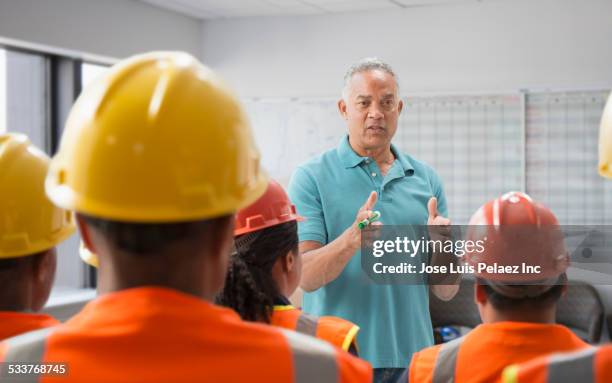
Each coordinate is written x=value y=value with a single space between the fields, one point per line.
x=85 y=232
x=342 y=108
x=480 y=296
x=45 y=264
x=43 y=269
x=221 y=239
x=400 y=106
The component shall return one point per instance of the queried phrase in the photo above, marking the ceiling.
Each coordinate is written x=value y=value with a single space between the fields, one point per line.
x=216 y=9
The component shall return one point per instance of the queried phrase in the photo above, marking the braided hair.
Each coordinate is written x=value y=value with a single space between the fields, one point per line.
x=249 y=287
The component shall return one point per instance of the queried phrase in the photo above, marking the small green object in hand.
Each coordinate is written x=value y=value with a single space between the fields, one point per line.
x=375 y=216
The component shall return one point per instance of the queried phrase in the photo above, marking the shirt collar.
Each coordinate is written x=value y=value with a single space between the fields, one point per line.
x=347 y=155
x=350 y=159
x=403 y=160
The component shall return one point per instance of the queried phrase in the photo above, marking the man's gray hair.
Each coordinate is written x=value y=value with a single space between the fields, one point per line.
x=364 y=65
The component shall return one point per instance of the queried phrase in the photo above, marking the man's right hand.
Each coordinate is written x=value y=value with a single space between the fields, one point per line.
x=353 y=233
x=323 y=263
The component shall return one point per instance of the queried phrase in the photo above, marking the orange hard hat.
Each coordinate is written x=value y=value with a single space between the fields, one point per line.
x=272 y=208
x=522 y=245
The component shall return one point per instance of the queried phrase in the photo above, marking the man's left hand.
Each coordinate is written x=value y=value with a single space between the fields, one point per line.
x=434 y=216
x=439 y=229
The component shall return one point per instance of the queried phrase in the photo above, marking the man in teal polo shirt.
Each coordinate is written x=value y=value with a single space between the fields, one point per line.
x=341 y=187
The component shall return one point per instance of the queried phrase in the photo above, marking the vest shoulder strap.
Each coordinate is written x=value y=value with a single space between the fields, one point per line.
x=574 y=367
x=313 y=359
x=307 y=324
x=446 y=362
x=26 y=348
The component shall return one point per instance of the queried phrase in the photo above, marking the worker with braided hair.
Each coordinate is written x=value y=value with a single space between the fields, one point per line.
x=266 y=268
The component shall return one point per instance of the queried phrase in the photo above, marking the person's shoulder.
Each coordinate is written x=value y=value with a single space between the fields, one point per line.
x=337 y=320
x=420 y=167
x=419 y=164
x=321 y=160
x=25 y=344
x=315 y=169
x=426 y=355
x=423 y=363
x=322 y=358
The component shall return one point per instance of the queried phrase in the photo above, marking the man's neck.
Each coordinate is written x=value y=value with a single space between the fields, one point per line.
x=189 y=280
x=15 y=295
x=540 y=316
x=14 y=307
x=383 y=156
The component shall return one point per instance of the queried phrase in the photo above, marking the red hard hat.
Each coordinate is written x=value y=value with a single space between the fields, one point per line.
x=517 y=231
x=272 y=208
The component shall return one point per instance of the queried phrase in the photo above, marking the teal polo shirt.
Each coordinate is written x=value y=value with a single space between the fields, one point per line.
x=329 y=190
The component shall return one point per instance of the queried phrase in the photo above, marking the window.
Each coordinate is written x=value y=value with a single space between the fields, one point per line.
x=89 y=72
x=25 y=95
x=2 y=91
x=36 y=93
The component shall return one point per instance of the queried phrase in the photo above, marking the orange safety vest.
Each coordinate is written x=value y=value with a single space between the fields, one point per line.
x=482 y=354
x=592 y=365
x=152 y=334
x=337 y=331
x=14 y=323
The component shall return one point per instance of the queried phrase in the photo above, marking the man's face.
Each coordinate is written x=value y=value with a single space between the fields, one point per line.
x=371 y=109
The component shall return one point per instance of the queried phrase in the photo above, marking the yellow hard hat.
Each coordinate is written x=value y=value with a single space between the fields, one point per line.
x=158 y=138
x=29 y=222
x=605 y=141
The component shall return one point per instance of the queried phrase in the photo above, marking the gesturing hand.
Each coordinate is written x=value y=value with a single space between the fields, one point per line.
x=354 y=233
x=435 y=219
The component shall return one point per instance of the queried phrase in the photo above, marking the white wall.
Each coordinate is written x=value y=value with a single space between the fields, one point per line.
x=491 y=45
x=2 y=91
x=114 y=28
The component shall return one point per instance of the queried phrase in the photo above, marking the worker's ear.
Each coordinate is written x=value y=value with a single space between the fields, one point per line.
x=221 y=238
x=217 y=241
x=43 y=269
x=480 y=296
x=289 y=262
x=85 y=232
x=342 y=108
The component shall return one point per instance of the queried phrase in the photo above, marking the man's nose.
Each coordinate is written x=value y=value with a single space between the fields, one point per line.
x=375 y=112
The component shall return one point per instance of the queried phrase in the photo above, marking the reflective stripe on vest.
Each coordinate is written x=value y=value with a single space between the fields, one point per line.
x=446 y=362
x=307 y=324
x=26 y=348
x=313 y=359
x=574 y=367
x=339 y=332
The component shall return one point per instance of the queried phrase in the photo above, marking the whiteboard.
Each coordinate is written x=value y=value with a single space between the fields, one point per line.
x=473 y=142
x=562 y=139
x=481 y=145
x=289 y=132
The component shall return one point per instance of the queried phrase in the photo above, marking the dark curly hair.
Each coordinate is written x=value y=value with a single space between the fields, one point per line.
x=249 y=287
